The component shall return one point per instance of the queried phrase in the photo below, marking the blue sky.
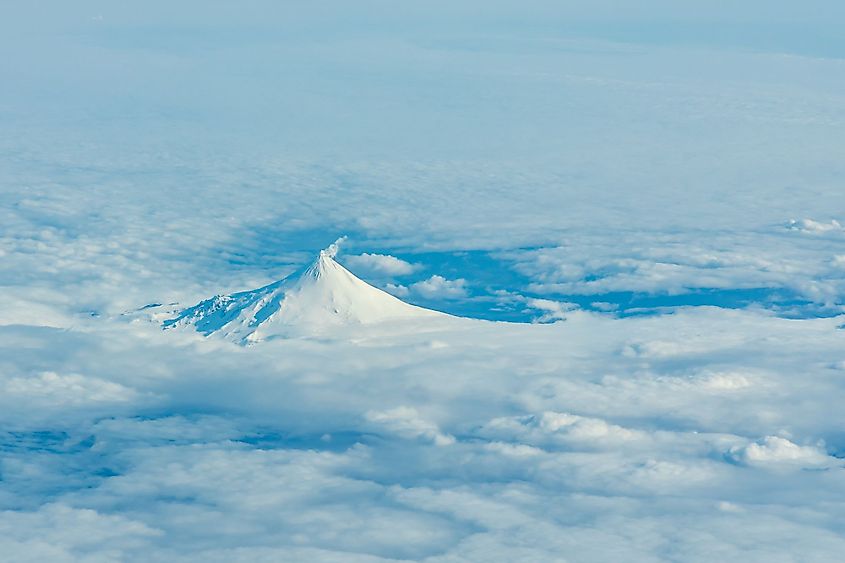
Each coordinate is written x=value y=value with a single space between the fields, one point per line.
x=662 y=179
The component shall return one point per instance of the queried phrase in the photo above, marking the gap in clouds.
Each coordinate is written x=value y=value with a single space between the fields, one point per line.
x=495 y=286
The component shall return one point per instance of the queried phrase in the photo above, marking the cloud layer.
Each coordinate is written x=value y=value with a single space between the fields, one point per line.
x=679 y=179
x=415 y=445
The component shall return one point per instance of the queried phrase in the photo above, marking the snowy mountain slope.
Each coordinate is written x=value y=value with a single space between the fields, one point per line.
x=323 y=296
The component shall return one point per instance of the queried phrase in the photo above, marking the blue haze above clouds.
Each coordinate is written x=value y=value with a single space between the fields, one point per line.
x=515 y=159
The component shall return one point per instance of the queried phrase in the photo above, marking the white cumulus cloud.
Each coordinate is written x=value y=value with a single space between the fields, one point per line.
x=815 y=227
x=779 y=451
x=438 y=287
x=406 y=422
x=380 y=264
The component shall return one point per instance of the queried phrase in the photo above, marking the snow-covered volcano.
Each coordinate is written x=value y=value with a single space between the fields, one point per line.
x=323 y=296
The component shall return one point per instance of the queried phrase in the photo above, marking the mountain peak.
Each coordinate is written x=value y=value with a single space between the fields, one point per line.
x=325 y=265
x=323 y=296
x=331 y=250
